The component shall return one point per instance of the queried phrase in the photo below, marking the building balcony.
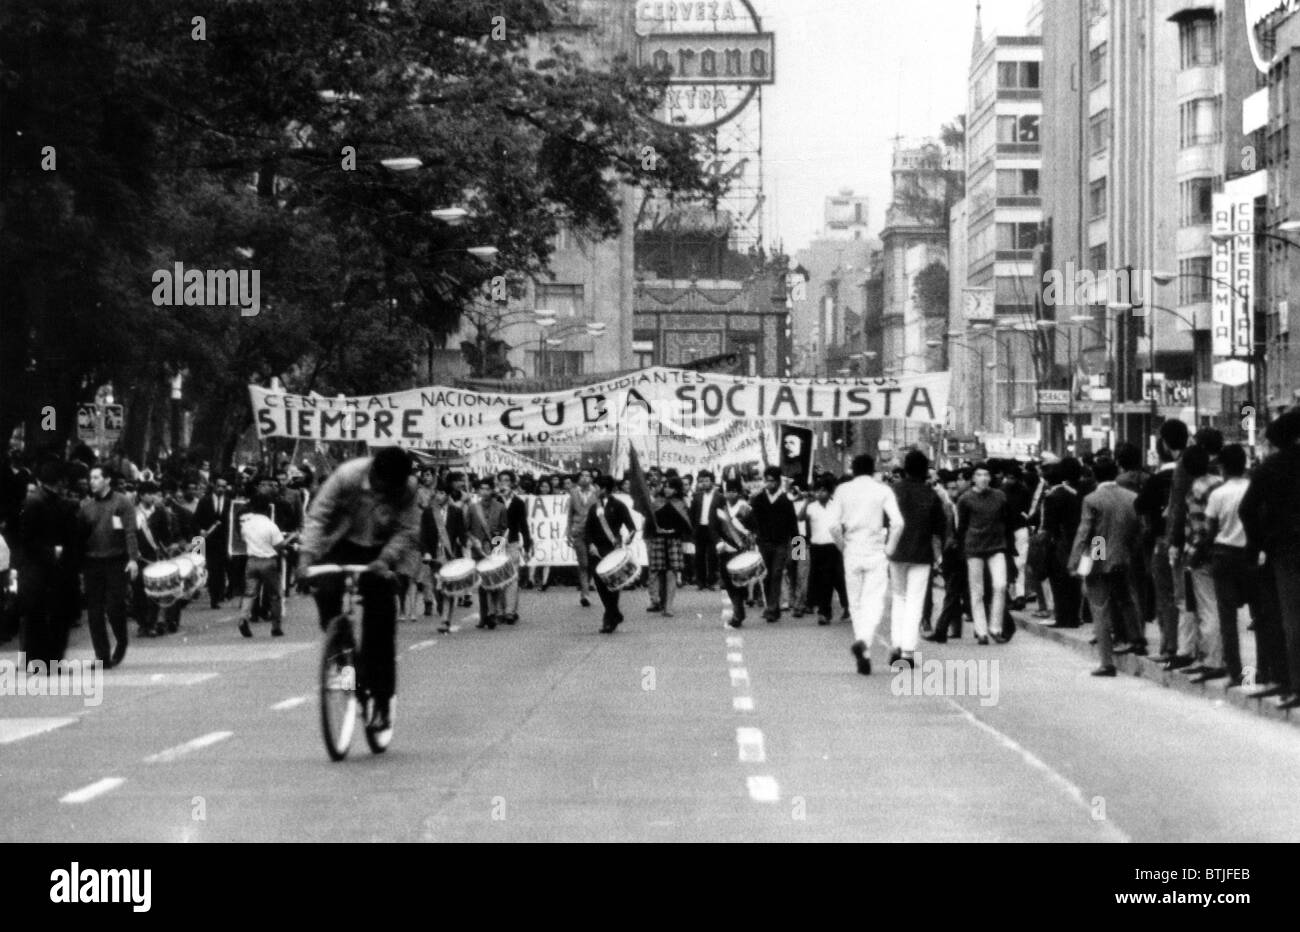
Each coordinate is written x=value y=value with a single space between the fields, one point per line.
x=1020 y=150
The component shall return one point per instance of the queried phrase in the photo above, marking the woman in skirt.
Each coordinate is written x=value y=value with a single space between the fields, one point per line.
x=664 y=550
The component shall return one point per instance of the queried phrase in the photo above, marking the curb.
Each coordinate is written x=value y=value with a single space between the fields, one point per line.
x=1147 y=669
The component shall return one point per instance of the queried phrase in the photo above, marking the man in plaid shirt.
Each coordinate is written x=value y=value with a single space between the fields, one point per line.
x=1203 y=471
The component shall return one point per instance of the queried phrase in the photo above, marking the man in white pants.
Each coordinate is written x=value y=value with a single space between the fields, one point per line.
x=914 y=554
x=865 y=525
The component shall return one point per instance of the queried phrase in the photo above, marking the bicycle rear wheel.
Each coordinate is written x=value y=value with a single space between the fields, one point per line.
x=338 y=688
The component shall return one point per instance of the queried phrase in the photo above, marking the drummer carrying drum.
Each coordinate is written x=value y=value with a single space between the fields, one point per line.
x=729 y=526
x=606 y=520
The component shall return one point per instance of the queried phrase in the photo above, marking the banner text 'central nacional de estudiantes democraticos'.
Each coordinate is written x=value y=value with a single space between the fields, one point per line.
x=440 y=418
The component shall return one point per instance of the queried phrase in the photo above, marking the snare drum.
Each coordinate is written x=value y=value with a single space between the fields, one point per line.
x=189 y=572
x=162 y=582
x=746 y=568
x=458 y=577
x=618 y=569
x=496 y=572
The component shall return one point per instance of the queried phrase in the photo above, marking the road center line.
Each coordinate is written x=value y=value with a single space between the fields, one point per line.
x=98 y=788
x=289 y=703
x=1056 y=779
x=764 y=789
x=171 y=754
x=750 y=744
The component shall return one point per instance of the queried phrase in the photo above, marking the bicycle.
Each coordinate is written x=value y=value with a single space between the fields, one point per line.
x=341 y=686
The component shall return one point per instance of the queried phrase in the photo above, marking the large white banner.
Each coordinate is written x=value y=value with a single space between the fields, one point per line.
x=493 y=459
x=741 y=443
x=440 y=418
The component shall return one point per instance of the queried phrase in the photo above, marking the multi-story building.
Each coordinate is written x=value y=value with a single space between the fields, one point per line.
x=846 y=216
x=590 y=281
x=1142 y=120
x=1275 y=122
x=998 y=349
x=835 y=266
x=914 y=267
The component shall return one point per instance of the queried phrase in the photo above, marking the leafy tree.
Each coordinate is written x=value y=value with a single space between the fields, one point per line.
x=258 y=144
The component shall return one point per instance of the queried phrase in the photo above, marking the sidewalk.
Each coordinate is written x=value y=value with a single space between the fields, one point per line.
x=1215 y=690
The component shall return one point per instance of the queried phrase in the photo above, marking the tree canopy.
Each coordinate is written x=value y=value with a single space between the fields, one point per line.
x=250 y=134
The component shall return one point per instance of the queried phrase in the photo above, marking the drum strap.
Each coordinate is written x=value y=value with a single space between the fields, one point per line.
x=604 y=525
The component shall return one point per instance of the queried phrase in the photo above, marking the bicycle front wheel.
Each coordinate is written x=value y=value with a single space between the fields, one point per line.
x=338 y=688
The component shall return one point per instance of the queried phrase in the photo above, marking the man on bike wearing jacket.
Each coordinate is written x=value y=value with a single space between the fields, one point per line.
x=366 y=512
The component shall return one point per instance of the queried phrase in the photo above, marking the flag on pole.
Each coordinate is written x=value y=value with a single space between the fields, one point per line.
x=641 y=491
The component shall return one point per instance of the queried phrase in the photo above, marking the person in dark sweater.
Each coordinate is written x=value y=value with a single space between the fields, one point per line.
x=607 y=519
x=984 y=522
x=1152 y=501
x=922 y=539
x=106 y=527
x=775 y=526
x=1062 y=511
x=1018 y=498
x=1270 y=514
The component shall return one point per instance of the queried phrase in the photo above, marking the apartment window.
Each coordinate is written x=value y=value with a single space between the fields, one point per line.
x=1097 y=258
x=1199 y=41
x=1199 y=122
x=1099 y=132
x=565 y=300
x=1194 y=280
x=1097 y=199
x=1022 y=128
x=1017 y=182
x=1196 y=195
x=557 y=362
x=644 y=359
x=1010 y=291
x=1017 y=236
x=1097 y=66
x=1018 y=75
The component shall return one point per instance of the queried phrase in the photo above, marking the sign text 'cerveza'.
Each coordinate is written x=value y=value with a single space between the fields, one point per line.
x=455 y=419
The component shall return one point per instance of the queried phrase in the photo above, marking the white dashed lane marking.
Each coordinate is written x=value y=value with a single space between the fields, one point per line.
x=157 y=679
x=749 y=741
x=171 y=754
x=764 y=789
x=739 y=675
x=15 y=729
x=98 y=788
x=743 y=703
x=289 y=703
x=735 y=658
x=421 y=645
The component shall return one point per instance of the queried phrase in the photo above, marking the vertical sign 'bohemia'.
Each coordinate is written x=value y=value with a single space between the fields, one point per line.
x=1221 y=270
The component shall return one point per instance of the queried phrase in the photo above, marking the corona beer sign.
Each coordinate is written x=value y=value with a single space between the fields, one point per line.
x=713 y=66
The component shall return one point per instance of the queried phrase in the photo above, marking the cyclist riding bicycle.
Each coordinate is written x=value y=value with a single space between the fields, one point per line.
x=366 y=512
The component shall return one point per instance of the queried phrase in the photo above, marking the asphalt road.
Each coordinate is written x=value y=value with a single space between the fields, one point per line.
x=669 y=729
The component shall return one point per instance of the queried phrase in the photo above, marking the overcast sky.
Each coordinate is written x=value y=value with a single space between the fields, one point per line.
x=850 y=75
